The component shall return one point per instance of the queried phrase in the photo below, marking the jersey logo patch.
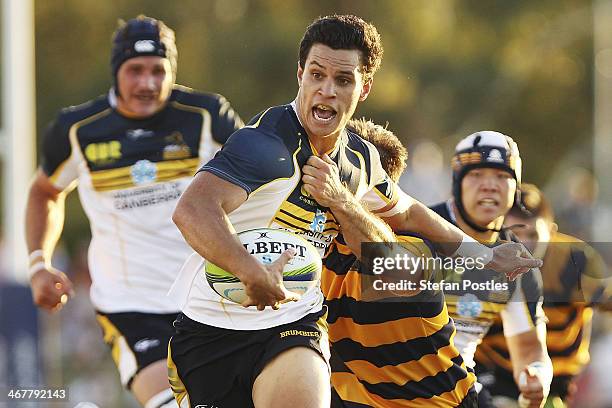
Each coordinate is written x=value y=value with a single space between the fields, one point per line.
x=143 y=172
x=469 y=305
x=103 y=153
x=495 y=156
x=177 y=148
x=144 y=46
x=318 y=223
x=135 y=134
x=143 y=345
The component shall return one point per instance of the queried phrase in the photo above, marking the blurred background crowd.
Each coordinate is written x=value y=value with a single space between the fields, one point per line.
x=451 y=67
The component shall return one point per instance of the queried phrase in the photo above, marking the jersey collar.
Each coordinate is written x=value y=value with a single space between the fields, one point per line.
x=342 y=139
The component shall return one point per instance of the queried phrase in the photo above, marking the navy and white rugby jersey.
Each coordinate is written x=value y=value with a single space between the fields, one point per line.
x=265 y=158
x=130 y=174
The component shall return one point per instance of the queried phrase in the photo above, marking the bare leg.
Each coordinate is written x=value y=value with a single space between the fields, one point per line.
x=296 y=378
x=150 y=382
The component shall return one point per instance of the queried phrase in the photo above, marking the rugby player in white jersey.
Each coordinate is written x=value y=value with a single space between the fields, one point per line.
x=295 y=166
x=132 y=152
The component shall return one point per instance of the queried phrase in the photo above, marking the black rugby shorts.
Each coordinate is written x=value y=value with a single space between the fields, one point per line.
x=136 y=340
x=215 y=367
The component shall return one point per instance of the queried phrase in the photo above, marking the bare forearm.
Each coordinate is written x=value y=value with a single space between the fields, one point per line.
x=423 y=221
x=322 y=182
x=44 y=220
x=358 y=225
x=207 y=229
x=527 y=348
x=202 y=219
x=527 y=358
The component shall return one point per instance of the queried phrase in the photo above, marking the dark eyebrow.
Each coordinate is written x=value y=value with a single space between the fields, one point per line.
x=349 y=73
x=316 y=63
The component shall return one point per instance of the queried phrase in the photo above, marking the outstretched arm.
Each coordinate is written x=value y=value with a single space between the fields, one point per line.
x=322 y=181
x=511 y=258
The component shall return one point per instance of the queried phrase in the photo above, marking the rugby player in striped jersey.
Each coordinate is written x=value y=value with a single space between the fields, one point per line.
x=486 y=177
x=390 y=349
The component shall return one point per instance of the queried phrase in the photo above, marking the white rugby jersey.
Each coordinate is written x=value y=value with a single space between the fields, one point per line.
x=265 y=159
x=130 y=174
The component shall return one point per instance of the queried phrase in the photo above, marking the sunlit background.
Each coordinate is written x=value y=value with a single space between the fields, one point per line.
x=530 y=69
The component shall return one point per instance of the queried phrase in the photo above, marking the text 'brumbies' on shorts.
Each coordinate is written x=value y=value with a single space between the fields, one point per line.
x=217 y=367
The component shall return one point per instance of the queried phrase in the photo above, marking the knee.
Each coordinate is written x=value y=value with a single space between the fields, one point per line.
x=298 y=377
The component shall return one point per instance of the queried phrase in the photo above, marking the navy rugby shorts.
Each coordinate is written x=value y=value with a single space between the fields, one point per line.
x=215 y=367
x=136 y=340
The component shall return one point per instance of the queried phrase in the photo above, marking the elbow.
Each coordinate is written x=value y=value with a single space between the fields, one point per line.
x=180 y=215
x=417 y=217
x=407 y=220
x=41 y=191
x=176 y=217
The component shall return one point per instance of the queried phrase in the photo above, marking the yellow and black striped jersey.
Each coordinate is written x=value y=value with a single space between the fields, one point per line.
x=130 y=174
x=567 y=261
x=518 y=303
x=265 y=158
x=394 y=352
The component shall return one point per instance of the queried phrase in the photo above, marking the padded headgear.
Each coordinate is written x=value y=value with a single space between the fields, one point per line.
x=142 y=36
x=484 y=149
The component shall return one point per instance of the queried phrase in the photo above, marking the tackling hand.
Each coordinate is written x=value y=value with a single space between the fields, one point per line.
x=512 y=259
x=531 y=388
x=322 y=181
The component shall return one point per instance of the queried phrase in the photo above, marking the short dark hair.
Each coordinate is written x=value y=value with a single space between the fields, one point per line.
x=392 y=152
x=534 y=201
x=346 y=32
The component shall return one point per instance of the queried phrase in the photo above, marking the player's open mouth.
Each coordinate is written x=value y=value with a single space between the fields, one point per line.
x=145 y=97
x=323 y=113
x=488 y=202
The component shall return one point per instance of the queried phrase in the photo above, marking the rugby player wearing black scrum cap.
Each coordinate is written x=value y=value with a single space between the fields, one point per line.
x=132 y=152
x=486 y=181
